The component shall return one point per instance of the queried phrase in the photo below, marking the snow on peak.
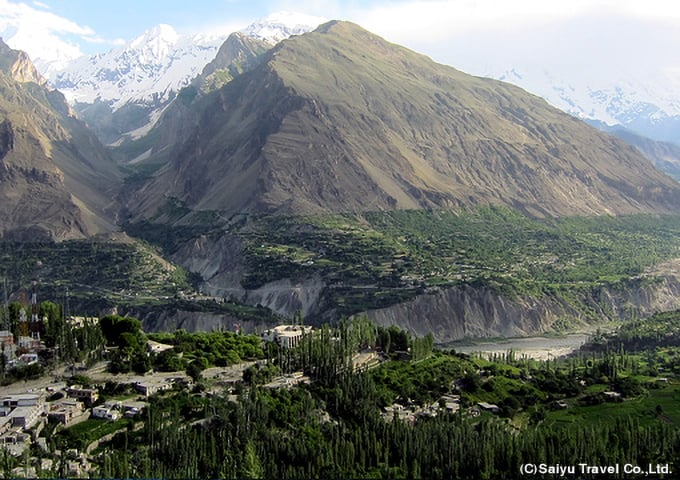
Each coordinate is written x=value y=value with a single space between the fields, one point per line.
x=281 y=25
x=148 y=68
x=641 y=104
x=160 y=61
x=157 y=40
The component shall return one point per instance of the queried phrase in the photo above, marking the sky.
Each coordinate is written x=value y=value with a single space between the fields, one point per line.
x=478 y=36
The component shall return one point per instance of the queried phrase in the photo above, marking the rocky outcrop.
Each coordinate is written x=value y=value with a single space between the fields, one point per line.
x=219 y=262
x=171 y=320
x=467 y=312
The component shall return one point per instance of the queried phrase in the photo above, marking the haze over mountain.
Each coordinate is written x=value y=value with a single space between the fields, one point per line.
x=648 y=107
x=664 y=155
x=341 y=120
x=56 y=179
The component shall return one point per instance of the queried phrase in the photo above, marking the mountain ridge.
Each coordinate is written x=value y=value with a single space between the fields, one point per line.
x=341 y=120
x=57 y=181
x=122 y=93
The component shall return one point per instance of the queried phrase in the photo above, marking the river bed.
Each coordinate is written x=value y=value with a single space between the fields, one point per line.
x=540 y=348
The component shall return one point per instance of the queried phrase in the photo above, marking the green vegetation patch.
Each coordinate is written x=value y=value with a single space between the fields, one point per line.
x=96 y=274
x=377 y=259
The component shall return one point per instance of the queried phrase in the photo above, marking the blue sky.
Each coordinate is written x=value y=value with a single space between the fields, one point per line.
x=126 y=19
x=473 y=35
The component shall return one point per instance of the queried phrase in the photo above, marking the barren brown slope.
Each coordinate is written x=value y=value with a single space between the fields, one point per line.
x=56 y=180
x=340 y=120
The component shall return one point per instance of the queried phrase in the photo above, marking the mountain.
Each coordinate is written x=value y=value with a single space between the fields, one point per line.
x=648 y=107
x=123 y=91
x=664 y=155
x=121 y=94
x=148 y=68
x=238 y=53
x=339 y=120
x=281 y=25
x=56 y=180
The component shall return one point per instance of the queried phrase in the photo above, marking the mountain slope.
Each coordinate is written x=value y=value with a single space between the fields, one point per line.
x=340 y=120
x=124 y=90
x=147 y=68
x=56 y=179
x=664 y=155
x=238 y=53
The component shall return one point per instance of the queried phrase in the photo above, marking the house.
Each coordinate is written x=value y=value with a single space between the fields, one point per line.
x=287 y=336
x=15 y=442
x=7 y=347
x=105 y=412
x=450 y=403
x=29 y=344
x=6 y=337
x=5 y=424
x=26 y=417
x=86 y=395
x=66 y=411
x=132 y=409
x=149 y=388
x=27 y=359
x=11 y=402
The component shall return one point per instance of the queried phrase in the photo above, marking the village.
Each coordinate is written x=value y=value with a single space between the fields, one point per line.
x=68 y=394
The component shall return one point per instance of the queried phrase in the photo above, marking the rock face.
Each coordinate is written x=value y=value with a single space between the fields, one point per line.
x=449 y=313
x=219 y=261
x=56 y=180
x=457 y=313
x=18 y=66
x=453 y=313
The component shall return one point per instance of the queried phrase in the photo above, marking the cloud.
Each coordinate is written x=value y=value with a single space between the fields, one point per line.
x=219 y=28
x=581 y=36
x=40 y=33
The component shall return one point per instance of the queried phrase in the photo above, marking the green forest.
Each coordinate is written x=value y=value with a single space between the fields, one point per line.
x=418 y=412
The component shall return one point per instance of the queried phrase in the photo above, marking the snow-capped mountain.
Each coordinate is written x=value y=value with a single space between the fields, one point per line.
x=122 y=93
x=650 y=106
x=148 y=68
x=159 y=62
x=281 y=25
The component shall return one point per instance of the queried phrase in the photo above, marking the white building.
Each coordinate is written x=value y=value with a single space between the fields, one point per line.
x=105 y=412
x=10 y=402
x=149 y=388
x=26 y=417
x=287 y=336
x=22 y=411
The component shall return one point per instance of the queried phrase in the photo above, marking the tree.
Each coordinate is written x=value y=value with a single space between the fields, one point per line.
x=120 y=330
x=196 y=367
x=169 y=361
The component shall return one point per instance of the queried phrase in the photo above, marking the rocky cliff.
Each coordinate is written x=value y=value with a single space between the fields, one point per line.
x=449 y=313
x=467 y=312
